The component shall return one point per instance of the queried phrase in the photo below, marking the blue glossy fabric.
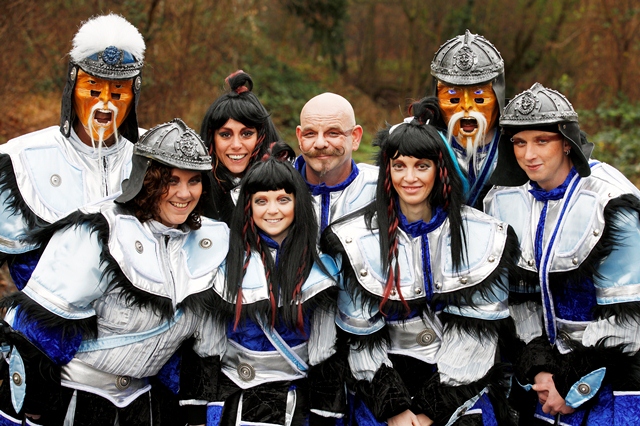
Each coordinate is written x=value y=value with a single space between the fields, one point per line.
x=476 y=183
x=6 y=420
x=57 y=345
x=421 y=228
x=169 y=374
x=214 y=414
x=601 y=414
x=22 y=267
x=626 y=409
x=250 y=335
x=325 y=190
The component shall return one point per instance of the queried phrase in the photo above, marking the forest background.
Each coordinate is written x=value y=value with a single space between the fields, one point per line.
x=376 y=53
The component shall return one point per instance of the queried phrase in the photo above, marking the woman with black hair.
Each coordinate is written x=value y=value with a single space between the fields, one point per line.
x=425 y=288
x=237 y=130
x=280 y=301
x=116 y=293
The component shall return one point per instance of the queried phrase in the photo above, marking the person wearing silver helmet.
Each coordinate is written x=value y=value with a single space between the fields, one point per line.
x=575 y=299
x=50 y=173
x=468 y=74
x=117 y=291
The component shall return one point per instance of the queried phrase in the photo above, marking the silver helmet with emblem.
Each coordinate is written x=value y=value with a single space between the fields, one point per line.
x=173 y=144
x=539 y=108
x=469 y=60
x=111 y=48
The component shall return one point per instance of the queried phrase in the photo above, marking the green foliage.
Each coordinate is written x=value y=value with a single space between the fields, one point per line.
x=617 y=141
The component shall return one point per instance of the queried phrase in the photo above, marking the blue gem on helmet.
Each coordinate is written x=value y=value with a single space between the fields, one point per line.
x=111 y=55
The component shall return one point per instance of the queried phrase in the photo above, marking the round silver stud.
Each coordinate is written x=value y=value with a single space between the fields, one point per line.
x=55 y=180
x=464 y=280
x=426 y=337
x=393 y=292
x=205 y=243
x=73 y=74
x=65 y=127
x=574 y=260
x=363 y=272
x=584 y=389
x=438 y=286
x=491 y=259
x=138 y=83
x=596 y=232
x=348 y=240
x=530 y=262
x=123 y=382
x=500 y=227
x=139 y=247
x=246 y=372
x=17 y=379
x=418 y=290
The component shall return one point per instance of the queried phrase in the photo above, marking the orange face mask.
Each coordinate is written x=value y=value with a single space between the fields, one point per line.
x=101 y=105
x=462 y=102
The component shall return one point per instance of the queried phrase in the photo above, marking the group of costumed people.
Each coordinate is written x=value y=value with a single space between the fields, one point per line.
x=483 y=272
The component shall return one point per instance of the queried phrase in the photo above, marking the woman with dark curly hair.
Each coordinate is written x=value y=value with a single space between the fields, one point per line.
x=279 y=299
x=424 y=288
x=116 y=293
x=237 y=129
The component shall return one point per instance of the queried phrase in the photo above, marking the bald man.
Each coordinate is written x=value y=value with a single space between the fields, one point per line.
x=327 y=136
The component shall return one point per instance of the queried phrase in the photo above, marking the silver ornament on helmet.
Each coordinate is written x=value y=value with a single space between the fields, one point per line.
x=538 y=106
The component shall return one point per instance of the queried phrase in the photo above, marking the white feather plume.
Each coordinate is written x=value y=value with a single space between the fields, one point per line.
x=100 y=32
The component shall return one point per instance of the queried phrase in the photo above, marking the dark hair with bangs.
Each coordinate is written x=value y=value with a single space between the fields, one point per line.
x=298 y=251
x=242 y=105
x=421 y=140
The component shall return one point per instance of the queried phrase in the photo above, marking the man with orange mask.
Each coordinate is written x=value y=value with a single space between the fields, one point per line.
x=468 y=76
x=47 y=174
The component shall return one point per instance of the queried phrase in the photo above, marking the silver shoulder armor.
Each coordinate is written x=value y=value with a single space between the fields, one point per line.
x=357 y=194
x=582 y=222
x=255 y=288
x=486 y=239
x=56 y=175
x=139 y=255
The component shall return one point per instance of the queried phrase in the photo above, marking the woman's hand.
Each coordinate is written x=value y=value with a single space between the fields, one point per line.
x=552 y=402
x=424 y=420
x=406 y=418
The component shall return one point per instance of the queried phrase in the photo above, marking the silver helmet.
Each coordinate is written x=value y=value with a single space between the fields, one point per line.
x=468 y=60
x=107 y=47
x=545 y=109
x=173 y=144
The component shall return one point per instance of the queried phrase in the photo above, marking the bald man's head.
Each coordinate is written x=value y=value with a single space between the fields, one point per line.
x=327 y=136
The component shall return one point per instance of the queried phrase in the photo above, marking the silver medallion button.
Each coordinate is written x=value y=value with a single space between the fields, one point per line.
x=123 y=382
x=139 y=247
x=246 y=372
x=584 y=389
x=426 y=337
x=205 y=243
x=17 y=379
x=55 y=180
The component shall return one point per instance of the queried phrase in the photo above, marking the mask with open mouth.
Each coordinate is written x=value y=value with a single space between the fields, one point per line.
x=467 y=100
x=102 y=105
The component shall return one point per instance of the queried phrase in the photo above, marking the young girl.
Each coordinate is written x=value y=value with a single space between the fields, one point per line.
x=280 y=297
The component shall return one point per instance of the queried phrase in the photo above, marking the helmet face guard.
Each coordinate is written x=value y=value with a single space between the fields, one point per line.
x=539 y=108
x=110 y=48
x=173 y=144
x=469 y=60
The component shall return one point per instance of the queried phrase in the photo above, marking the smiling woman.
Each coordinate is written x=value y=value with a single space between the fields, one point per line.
x=137 y=277
x=422 y=319
x=237 y=130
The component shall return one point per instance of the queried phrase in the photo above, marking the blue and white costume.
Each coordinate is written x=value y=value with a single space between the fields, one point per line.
x=438 y=360
x=333 y=202
x=139 y=288
x=44 y=176
x=576 y=303
x=266 y=370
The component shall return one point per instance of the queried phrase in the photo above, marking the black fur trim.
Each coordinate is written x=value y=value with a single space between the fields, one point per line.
x=87 y=327
x=15 y=202
x=386 y=395
x=439 y=401
x=481 y=329
x=42 y=375
x=623 y=368
x=536 y=356
x=327 y=383
x=206 y=304
x=624 y=313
